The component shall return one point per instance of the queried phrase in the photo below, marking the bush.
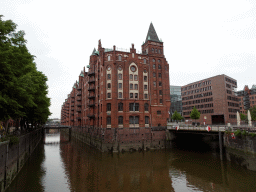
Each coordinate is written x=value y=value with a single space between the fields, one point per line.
x=238 y=133
x=244 y=133
x=252 y=134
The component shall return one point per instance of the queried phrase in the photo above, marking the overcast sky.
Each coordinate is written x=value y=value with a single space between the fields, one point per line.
x=202 y=38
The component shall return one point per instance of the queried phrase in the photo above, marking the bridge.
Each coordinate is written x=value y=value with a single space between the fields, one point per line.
x=56 y=126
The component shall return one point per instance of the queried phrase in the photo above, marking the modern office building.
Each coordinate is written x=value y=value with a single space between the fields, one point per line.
x=247 y=98
x=214 y=98
x=176 y=102
x=121 y=89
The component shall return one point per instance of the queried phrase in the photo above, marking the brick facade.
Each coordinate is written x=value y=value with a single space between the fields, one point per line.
x=247 y=99
x=214 y=98
x=122 y=89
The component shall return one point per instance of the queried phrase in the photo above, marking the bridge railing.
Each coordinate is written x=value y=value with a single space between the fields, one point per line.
x=214 y=128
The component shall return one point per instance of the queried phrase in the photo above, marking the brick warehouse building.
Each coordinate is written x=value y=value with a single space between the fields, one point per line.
x=247 y=98
x=214 y=98
x=122 y=90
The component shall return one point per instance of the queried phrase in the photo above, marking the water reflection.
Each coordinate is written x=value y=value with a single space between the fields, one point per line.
x=74 y=166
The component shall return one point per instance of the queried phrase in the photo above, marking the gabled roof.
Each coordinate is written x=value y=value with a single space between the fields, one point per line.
x=152 y=34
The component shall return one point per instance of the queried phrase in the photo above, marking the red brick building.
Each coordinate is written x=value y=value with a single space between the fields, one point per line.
x=214 y=98
x=122 y=89
x=247 y=98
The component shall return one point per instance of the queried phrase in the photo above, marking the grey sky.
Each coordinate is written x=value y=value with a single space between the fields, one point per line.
x=202 y=38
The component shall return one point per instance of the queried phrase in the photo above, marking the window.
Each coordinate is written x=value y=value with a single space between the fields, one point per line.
x=160 y=83
x=119 y=57
x=134 y=106
x=145 y=96
x=159 y=61
x=136 y=86
x=135 y=77
x=131 y=95
x=153 y=50
x=159 y=51
x=154 y=66
x=108 y=120
x=109 y=58
x=159 y=75
x=159 y=66
x=120 y=86
x=156 y=51
x=120 y=95
x=146 y=119
x=120 y=106
x=145 y=87
x=120 y=76
x=109 y=76
x=158 y=112
x=108 y=106
x=134 y=119
x=154 y=60
x=109 y=85
x=109 y=95
x=145 y=78
x=120 y=120
x=145 y=61
x=131 y=86
x=133 y=68
x=131 y=77
x=146 y=107
x=160 y=92
x=154 y=83
x=161 y=101
x=136 y=95
x=154 y=74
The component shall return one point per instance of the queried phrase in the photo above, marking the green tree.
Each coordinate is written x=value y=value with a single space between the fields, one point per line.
x=176 y=116
x=243 y=116
x=195 y=114
x=253 y=113
x=23 y=93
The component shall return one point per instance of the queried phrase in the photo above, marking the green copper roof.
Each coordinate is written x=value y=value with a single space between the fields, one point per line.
x=82 y=74
x=152 y=34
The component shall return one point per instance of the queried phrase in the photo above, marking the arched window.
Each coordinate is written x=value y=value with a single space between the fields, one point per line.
x=108 y=120
x=159 y=61
x=131 y=77
x=154 y=66
x=109 y=85
x=146 y=119
x=120 y=106
x=159 y=66
x=146 y=107
x=120 y=120
x=154 y=60
x=119 y=57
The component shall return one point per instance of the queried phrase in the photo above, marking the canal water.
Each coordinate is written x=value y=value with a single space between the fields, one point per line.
x=58 y=165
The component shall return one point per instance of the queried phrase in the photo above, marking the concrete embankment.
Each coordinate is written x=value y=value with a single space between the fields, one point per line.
x=14 y=156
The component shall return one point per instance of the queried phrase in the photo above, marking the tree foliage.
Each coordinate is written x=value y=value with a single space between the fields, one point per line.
x=243 y=116
x=253 y=113
x=176 y=116
x=195 y=114
x=23 y=93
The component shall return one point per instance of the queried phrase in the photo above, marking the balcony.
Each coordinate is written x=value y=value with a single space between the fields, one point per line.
x=73 y=101
x=79 y=93
x=91 y=81
x=72 y=96
x=91 y=104
x=72 y=108
x=91 y=96
x=78 y=118
x=91 y=73
x=79 y=89
x=92 y=116
x=79 y=98
x=78 y=109
x=91 y=89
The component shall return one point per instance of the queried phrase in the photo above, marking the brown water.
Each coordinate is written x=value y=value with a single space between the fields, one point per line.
x=74 y=166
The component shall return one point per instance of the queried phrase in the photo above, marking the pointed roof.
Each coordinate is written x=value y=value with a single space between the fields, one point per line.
x=93 y=52
x=152 y=34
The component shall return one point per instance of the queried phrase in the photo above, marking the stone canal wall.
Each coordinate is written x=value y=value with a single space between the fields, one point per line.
x=14 y=156
x=245 y=143
x=121 y=139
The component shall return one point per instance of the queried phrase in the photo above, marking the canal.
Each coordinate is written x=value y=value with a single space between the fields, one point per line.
x=59 y=165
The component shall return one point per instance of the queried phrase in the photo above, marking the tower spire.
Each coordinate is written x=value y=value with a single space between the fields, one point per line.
x=152 y=34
